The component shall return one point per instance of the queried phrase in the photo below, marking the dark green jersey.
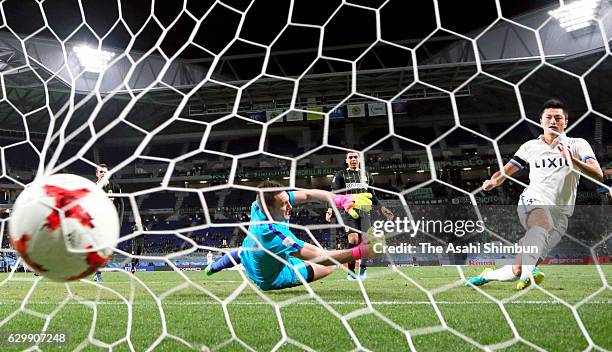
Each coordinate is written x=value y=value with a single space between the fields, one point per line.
x=353 y=182
x=111 y=188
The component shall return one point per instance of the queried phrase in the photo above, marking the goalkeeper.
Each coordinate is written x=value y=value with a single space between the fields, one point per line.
x=300 y=260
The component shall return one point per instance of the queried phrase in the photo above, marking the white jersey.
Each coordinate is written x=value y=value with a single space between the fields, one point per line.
x=551 y=178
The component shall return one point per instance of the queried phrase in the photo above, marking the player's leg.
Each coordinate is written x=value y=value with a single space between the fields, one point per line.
x=353 y=241
x=363 y=267
x=351 y=227
x=321 y=256
x=321 y=271
x=364 y=225
x=513 y=272
x=312 y=262
x=299 y=271
x=505 y=273
x=137 y=250
x=539 y=224
x=134 y=260
x=553 y=237
x=227 y=261
x=292 y=274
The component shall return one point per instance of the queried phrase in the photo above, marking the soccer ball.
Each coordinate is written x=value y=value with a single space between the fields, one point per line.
x=64 y=227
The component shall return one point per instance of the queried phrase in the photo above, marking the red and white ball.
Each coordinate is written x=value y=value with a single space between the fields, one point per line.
x=64 y=227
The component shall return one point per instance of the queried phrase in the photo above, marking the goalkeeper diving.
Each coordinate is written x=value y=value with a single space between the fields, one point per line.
x=273 y=257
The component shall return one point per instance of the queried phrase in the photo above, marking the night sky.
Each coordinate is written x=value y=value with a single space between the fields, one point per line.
x=400 y=21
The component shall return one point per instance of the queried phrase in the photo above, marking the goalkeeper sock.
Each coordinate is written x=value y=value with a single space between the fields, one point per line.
x=504 y=273
x=359 y=252
x=225 y=262
x=351 y=264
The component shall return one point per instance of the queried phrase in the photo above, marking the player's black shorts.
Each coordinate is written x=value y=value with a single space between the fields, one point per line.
x=137 y=248
x=138 y=245
x=362 y=223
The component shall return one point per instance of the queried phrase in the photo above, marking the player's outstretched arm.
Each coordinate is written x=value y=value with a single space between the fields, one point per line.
x=312 y=195
x=499 y=177
x=348 y=202
x=366 y=249
x=320 y=256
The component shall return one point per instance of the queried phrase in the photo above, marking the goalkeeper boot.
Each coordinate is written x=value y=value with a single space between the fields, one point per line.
x=538 y=277
x=208 y=270
x=478 y=280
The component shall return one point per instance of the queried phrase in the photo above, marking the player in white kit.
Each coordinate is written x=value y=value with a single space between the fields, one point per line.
x=555 y=162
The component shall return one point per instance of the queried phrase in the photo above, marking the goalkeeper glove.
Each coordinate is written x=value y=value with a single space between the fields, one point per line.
x=367 y=247
x=350 y=202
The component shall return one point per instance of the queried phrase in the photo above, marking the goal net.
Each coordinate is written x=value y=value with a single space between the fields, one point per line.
x=192 y=104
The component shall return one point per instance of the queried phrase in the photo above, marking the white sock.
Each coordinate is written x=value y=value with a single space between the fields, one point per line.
x=535 y=236
x=526 y=271
x=504 y=273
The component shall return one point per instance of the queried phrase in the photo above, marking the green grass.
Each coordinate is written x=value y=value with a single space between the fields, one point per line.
x=401 y=313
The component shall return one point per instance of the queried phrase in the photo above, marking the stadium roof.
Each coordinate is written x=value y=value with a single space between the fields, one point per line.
x=445 y=60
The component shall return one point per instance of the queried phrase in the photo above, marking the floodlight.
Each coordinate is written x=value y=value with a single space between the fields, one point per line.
x=576 y=15
x=93 y=60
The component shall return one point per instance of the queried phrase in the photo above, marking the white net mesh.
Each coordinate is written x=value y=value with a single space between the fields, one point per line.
x=149 y=107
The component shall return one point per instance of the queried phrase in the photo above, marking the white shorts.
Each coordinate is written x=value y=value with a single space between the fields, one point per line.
x=558 y=218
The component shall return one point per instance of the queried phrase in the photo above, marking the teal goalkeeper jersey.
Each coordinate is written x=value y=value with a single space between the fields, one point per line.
x=260 y=266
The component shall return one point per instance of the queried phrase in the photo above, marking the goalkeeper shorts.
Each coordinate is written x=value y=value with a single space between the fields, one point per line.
x=288 y=276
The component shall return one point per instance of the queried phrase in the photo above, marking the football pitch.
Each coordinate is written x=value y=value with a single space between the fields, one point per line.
x=425 y=308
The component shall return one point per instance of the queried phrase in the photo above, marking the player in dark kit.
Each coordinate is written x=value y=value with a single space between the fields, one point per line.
x=353 y=181
x=110 y=189
x=137 y=247
x=223 y=244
